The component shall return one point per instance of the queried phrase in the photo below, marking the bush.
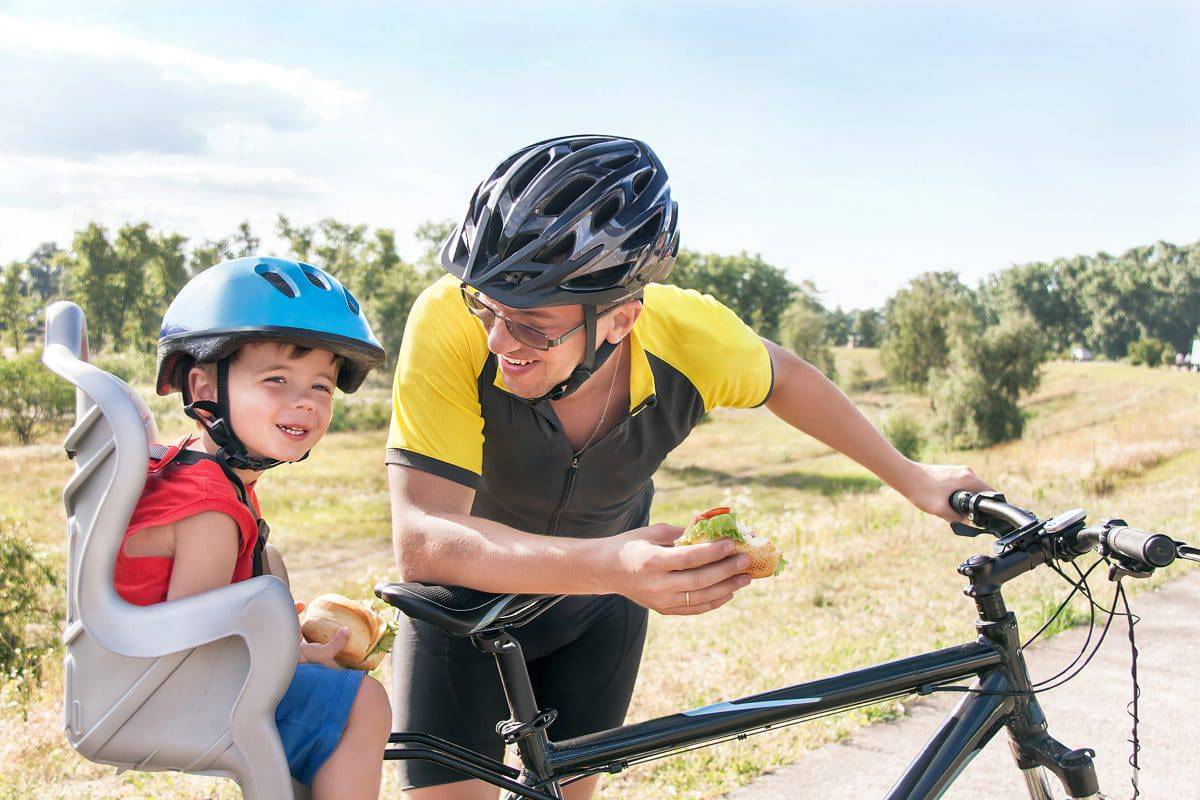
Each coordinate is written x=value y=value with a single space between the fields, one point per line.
x=970 y=413
x=367 y=414
x=1148 y=351
x=32 y=397
x=30 y=615
x=905 y=434
x=132 y=366
x=857 y=379
x=803 y=332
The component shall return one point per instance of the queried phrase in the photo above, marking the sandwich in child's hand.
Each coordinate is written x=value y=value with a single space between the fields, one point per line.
x=720 y=523
x=370 y=635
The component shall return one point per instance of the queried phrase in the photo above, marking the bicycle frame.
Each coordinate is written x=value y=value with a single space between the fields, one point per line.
x=1000 y=697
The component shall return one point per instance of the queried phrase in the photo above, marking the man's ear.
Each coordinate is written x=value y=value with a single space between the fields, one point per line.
x=623 y=317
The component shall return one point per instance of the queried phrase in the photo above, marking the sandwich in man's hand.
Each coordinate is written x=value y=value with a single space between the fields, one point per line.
x=371 y=636
x=721 y=523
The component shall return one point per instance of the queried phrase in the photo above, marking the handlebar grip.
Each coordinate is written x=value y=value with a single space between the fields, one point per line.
x=960 y=501
x=1154 y=549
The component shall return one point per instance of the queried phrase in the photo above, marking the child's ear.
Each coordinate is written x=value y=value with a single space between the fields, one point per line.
x=201 y=385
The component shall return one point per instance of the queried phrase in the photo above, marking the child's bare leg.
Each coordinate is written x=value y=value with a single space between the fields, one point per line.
x=354 y=770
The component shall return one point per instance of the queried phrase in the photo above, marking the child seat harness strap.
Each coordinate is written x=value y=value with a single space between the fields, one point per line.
x=189 y=457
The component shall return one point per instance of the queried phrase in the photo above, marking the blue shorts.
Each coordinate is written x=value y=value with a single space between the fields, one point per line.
x=312 y=715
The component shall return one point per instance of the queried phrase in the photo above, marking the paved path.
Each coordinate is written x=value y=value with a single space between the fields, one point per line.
x=1087 y=712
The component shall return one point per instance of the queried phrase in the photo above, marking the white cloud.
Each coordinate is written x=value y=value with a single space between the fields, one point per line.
x=88 y=91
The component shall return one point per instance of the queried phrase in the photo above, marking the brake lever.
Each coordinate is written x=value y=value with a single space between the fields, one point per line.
x=962 y=529
x=1187 y=552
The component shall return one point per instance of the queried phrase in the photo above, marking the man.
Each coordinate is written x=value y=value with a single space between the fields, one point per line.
x=539 y=386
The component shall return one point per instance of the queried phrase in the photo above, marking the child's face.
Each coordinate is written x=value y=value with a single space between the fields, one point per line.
x=280 y=403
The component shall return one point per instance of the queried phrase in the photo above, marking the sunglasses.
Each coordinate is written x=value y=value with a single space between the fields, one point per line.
x=525 y=334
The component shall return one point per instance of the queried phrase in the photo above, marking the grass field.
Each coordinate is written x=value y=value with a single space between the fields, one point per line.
x=870 y=579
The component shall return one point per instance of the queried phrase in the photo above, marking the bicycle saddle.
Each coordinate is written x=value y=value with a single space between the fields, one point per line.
x=461 y=611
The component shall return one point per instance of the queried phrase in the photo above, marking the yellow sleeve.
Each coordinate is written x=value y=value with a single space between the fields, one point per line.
x=695 y=333
x=436 y=421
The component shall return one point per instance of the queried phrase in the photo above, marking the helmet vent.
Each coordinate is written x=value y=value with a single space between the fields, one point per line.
x=279 y=282
x=646 y=232
x=642 y=180
x=526 y=174
x=351 y=303
x=567 y=195
x=607 y=210
x=491 y=237
x=558 y=252
x=315 y=279
x=601 y=279
x=519 y=241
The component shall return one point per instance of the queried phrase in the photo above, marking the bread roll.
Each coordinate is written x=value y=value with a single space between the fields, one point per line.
x=329 y=613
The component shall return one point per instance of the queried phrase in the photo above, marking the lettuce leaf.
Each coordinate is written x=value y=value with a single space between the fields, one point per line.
x=722 y=526
x=384 y=645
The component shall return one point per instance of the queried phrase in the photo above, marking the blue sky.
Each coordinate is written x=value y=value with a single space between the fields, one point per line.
x=855 y=144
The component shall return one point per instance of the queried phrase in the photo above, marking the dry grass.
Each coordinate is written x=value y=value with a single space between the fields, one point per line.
x=871 y=578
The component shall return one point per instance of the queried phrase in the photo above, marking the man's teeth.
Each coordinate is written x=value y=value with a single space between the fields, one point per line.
x=516 y=361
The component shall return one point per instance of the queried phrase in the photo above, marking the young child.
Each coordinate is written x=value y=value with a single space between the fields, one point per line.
x=256 y=346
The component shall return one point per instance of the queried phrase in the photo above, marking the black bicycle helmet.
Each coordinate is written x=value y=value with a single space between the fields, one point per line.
x=583 y=220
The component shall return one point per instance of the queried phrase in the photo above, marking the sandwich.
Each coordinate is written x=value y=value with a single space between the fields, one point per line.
x=721 y=523
x=371 y=636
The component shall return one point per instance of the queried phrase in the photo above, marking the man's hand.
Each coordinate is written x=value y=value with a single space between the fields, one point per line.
x=679 y=580
x=935 y=484
x=322 y=654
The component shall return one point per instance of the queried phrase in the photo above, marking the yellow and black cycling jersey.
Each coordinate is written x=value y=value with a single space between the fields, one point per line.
x=451 y=414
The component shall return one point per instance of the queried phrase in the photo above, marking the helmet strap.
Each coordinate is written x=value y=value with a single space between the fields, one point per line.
x=217 y=421
x=593 y=359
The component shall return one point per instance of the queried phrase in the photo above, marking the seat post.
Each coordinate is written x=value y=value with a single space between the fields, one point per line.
x=514 y=674
x=527 y=726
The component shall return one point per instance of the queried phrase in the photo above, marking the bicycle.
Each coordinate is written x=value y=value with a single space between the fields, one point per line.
x=1001 y=696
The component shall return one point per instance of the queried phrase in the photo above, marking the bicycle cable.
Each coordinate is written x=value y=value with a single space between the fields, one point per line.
x=1074 y=668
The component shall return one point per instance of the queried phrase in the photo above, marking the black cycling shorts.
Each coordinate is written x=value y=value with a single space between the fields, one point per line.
x=583 y=657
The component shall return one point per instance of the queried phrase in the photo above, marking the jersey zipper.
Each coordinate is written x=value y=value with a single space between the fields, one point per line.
x=573 y=470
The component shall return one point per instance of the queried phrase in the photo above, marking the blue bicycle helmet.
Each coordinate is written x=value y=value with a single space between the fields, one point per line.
x=258 y=299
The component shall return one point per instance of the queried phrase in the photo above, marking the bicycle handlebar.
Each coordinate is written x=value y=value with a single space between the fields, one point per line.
x=990 y=505
x=1143 y=548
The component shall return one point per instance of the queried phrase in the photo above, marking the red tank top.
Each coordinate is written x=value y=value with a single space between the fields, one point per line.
x=172 y=492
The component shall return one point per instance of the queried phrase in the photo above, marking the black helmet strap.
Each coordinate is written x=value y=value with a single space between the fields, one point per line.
x=218 y=422
x=593 y=359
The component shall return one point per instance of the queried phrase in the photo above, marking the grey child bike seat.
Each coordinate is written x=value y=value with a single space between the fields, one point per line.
x=188 y=685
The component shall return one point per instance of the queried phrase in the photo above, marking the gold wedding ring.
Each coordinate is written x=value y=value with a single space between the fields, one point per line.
x=687 y=598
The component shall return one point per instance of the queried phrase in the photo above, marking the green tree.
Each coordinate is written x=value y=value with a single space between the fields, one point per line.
x=208 y=254
x=433 y=234
x=975 y=396
x=804 y=330
x=45 y=271
x=758 y=292
x=15 y=305
x=923 y=321
x=868 y=327
x=93 y=271
x=244 y=242
x=838 y=326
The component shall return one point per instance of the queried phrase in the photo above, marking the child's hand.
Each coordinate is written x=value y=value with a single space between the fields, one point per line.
x=324 y=654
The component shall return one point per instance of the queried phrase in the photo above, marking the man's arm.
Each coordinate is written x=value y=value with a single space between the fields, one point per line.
x=808 y=401
x=437 y=540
